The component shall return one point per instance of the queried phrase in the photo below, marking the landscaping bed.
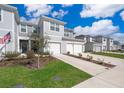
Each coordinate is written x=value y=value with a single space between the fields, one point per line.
x=93 y=61
x=30 y=63
x=110 y=54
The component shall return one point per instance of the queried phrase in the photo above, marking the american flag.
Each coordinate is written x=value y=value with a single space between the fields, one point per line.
x=6 y=38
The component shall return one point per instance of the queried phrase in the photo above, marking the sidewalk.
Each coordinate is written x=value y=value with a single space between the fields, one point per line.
x=109 y=79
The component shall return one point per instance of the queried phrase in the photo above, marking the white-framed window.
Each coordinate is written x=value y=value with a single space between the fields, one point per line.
x=23 y=28
x=0 y=14
x=57 y=27
x=34 y=29
x=54 y=26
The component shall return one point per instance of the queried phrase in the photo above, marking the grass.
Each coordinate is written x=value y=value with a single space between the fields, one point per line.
x=110 y=54
x=42 y=78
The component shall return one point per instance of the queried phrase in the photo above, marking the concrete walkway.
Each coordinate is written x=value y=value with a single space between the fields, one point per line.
x=109 y=79
x=113 y=78
x=111 y=60
x=88 y=67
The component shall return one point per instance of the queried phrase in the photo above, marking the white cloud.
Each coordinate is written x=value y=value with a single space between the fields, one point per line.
x=59 y=14
x=101 y=10
x=119 y=37
x=36 y=10
x=23 y=18
x=67 y=5
x=32 y=20
x=102 y=27
x=122 y=15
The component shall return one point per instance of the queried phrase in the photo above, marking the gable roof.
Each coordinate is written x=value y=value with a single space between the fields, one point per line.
x=11 y=9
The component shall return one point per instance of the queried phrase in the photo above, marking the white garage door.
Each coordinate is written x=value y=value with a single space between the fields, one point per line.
x=69 y=48
x=54 y=48
x=97 y=48
x=77 y=49
x=74 y=48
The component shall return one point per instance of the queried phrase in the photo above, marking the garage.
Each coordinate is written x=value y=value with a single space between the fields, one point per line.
x=77 y=49
x=74 y=48
x=55 y=48
x=69 y=48
x=97 y=48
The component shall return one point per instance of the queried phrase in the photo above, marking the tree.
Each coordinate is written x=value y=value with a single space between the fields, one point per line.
x=40 y=43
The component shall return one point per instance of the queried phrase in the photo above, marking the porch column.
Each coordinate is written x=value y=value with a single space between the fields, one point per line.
x=29 y=44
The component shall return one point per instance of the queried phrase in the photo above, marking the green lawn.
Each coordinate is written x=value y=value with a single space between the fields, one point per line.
x=67 y=75
x=110 y=54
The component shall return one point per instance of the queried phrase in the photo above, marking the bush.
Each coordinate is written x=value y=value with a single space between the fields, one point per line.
x=11 y=54
x=68 y=53
x=89 y=57
x=46 y=53
x=30 y=54
x=80 y=55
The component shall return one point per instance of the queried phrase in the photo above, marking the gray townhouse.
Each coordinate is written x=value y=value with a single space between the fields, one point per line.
x=90 y=43
x=99 y=43
x=61 y=39
x=116 y=45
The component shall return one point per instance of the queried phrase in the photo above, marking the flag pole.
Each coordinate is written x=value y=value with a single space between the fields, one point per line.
x=5 y=47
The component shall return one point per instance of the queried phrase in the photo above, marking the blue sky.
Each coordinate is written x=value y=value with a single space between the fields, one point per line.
x=84 y=19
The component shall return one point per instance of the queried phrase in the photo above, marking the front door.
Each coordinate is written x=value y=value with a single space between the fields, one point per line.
x=24 y=46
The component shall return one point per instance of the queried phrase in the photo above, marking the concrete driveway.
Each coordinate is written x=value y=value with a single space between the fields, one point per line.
x=86 y=66
x=102 y=78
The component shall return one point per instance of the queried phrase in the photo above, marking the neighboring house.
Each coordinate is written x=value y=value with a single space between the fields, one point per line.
x=60 y=39
x=87 y=38
x=9 y=21
x=116 y=45
x=110 y=44
x=93 y=47
x=103 y=41
x=69 y=33
x=90 y=44
x=122 y=47
x=25 y=29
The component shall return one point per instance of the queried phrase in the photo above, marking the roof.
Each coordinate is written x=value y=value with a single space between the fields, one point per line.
x=11 y=9
x=28 y=23
x=69 y=30
x=72 y=39
x=17 y=18
x=52 y=20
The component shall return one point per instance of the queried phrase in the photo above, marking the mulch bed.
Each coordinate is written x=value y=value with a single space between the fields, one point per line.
x=94 y=61
x=30 y=63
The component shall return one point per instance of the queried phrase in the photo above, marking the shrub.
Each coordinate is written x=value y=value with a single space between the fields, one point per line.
x=11 y=54
x=80 y=55
x=100 y=61
x=46 y=53
x=68 y=53
x=30 y=54
x=89 y=57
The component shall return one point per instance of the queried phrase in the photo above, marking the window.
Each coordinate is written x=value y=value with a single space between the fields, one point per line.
x=54 y=26
x=0 y=15
x=34 y=29
x=104 y=39
x=23 y=28
x=57 y=27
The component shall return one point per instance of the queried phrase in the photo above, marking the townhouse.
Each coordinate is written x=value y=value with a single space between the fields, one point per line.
x=91 y=44
x=60 y=38
x=116 y=45
x=99 y=43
